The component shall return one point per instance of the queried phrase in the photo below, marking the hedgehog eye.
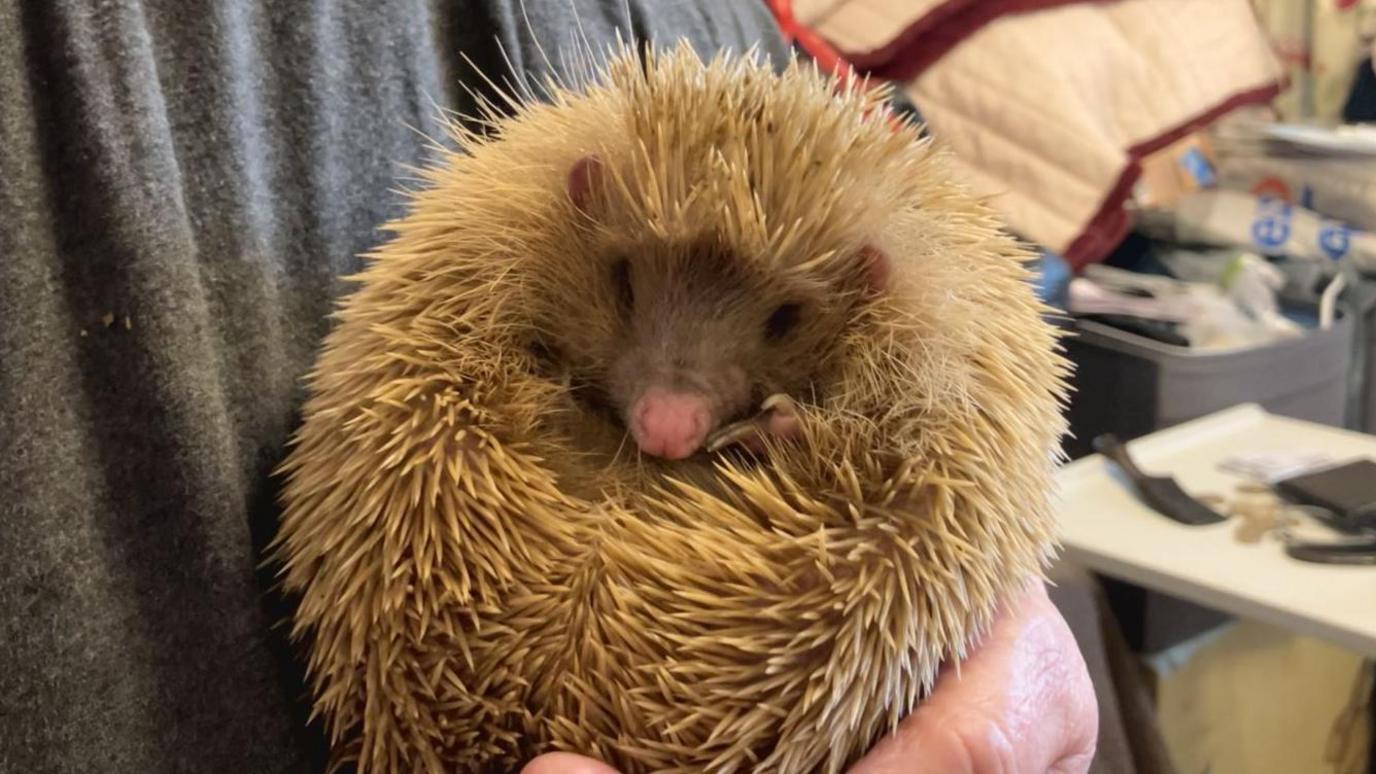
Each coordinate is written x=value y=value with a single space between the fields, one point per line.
x=621 y=281
x=782 y=321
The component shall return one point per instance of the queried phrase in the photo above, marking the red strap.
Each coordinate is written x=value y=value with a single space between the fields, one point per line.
x=827 y=57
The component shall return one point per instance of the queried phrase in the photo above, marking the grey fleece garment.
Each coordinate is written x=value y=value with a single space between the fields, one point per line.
x=182 y=183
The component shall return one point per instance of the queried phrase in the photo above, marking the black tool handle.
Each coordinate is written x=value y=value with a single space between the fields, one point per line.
x=1334 y=553
x=1109 y=446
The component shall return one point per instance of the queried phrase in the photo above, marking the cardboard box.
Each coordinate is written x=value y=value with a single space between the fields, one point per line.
x=1179 y=169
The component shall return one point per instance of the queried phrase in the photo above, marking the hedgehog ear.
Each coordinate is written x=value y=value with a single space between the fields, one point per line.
x=583 y=177
x=875 y=268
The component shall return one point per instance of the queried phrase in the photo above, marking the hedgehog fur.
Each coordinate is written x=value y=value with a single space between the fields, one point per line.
x=483 y=573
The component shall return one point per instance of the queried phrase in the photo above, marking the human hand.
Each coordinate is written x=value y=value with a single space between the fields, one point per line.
x=1023 y=702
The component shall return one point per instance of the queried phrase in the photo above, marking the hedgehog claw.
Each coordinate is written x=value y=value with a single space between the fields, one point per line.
x=736 y=432
x=780 y=403
x=778 y=416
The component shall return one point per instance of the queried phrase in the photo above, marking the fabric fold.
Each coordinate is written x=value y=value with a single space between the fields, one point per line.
x=1049 y=107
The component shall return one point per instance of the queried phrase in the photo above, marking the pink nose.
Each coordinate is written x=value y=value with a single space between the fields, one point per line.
x=668 y=424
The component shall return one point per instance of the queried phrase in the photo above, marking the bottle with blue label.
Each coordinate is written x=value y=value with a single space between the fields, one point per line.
x=1265 y=225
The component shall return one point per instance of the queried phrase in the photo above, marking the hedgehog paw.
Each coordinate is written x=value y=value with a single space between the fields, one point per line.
x=778 y=418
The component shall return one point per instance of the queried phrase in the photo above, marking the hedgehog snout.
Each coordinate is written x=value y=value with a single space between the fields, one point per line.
x=669 y=423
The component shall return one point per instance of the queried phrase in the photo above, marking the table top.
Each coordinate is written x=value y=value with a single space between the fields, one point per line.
x=1106 y=528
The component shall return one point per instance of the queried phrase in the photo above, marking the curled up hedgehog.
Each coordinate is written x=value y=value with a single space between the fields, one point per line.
x=690 y=419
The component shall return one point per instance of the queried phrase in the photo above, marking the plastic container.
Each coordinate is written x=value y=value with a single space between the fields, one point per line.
x=1361 y=301
x=1130 y=385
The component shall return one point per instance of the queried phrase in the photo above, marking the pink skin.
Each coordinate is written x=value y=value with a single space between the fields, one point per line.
x=1022 y=703
x=673 y=424
x=670 y=424
x=780 y=424
x=582 y=176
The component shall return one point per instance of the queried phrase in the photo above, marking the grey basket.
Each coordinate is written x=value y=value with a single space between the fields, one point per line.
x=1361 y=300
x=1131 y=385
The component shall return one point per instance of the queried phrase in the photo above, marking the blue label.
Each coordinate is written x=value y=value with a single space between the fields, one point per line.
x=1198 y=167
x=1271 y=229
x=1335 y=239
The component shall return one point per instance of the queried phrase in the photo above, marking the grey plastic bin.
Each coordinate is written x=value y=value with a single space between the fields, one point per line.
x=1131 y=385
x=1361 y=300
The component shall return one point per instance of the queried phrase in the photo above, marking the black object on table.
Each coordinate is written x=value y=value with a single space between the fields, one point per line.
x=1347 y=493
x=1347 y=490
x=1161 y=493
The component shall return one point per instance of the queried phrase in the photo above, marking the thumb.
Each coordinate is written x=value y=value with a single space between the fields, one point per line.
x=566 y=763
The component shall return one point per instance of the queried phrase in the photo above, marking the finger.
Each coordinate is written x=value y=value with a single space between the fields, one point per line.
x=566 y=763
x=1080 y=707
x=1050 y=702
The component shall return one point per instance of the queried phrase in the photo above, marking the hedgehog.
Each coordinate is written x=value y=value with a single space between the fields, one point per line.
x=690 y=417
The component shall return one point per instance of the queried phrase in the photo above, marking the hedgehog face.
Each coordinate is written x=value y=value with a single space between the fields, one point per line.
x=682 y=338
x=701 y=340
x=673 y=337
